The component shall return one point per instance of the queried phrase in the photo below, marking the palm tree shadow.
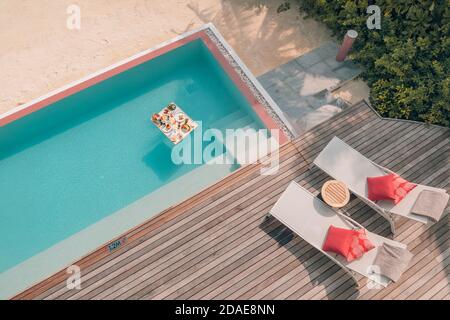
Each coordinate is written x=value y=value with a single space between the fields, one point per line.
x=255 y=24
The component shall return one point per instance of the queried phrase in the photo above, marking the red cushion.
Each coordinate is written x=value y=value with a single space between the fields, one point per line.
x=351 y=244
x=381 y=188
x=360 y=245
x=338 y=240
x=401 y=188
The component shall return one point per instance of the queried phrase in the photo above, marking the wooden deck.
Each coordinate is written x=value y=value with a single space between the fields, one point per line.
x=217 y=245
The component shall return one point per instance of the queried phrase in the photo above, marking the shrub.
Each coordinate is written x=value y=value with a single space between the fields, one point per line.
x=406 y=62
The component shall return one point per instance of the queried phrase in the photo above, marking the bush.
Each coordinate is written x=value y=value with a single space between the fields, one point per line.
x=406 y=62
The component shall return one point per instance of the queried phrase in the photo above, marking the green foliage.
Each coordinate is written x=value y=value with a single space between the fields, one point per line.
x=285 y=6
x=407 y=61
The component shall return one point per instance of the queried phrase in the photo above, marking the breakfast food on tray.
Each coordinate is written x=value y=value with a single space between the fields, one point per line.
x=156 y=118
x=165 y=118
x=185 y=127
x=180 y=117
x=174 y=123
x=167 y=127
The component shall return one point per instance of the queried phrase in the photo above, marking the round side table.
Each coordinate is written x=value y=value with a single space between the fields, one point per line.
x=335 y=193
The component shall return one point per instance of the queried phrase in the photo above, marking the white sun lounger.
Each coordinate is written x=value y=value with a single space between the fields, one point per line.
x=310 y=218
x=344 y=163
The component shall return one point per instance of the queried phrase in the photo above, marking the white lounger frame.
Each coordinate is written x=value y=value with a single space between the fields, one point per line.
x=310 y=218
x=343 y=163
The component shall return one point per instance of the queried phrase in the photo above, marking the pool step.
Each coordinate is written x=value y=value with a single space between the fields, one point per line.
x=224 y=123
x=251 y=153
x=243 y=122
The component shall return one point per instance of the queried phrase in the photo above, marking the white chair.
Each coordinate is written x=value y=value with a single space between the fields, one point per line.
x=310 y=218
x=345 y=164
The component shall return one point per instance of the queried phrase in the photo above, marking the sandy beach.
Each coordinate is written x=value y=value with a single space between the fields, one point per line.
x=39 y=53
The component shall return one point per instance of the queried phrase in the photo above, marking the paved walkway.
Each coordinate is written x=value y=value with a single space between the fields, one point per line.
x=302 y=87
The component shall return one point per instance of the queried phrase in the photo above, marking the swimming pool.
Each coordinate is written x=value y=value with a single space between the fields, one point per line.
x=88 y=164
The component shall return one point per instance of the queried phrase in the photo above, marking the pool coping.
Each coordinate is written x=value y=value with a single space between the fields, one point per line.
x=262 y=104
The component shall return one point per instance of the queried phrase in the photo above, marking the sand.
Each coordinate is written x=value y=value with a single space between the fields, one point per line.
x=39 y=53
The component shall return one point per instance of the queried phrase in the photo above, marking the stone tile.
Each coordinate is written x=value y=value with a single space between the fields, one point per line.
x=269 y=79
x=332 y=63
x=315 y=117
x=315 y=83
x=292 y=68
x=293 y=106
x=346 y=73
x=318 y=100
x=280 y=91
x=285 y=71
x=297 y=114
x=272 y=78
x=297 y=110
x=321 y=68
x=327 y=50
x=301 y=86
x=308 y=59
x=296 y=82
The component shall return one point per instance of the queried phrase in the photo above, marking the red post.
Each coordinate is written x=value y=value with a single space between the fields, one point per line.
x=347 y=43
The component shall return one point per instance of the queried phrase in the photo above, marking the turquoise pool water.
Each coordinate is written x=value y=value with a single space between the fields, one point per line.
x=70 y=165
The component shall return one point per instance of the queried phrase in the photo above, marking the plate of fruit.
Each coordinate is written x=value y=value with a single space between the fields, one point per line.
x=180 y=117
x=166 y=128
x=185 y=128
x=156 y=118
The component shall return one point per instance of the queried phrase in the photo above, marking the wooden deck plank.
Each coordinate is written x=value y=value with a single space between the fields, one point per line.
x=421 y=251
x=441 y=292
x=248 y=202
x=216 y=244
x=431 y=287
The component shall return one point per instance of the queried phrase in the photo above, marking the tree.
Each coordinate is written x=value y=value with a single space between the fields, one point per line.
x=407 y=61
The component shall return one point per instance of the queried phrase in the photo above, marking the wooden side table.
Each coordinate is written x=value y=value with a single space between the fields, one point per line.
x=335 y=193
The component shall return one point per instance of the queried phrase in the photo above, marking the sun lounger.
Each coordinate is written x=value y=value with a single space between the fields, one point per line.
x=344 y=163
x=310 y=218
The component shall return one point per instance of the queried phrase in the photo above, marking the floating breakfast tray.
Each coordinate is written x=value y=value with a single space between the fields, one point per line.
x=174 y=123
